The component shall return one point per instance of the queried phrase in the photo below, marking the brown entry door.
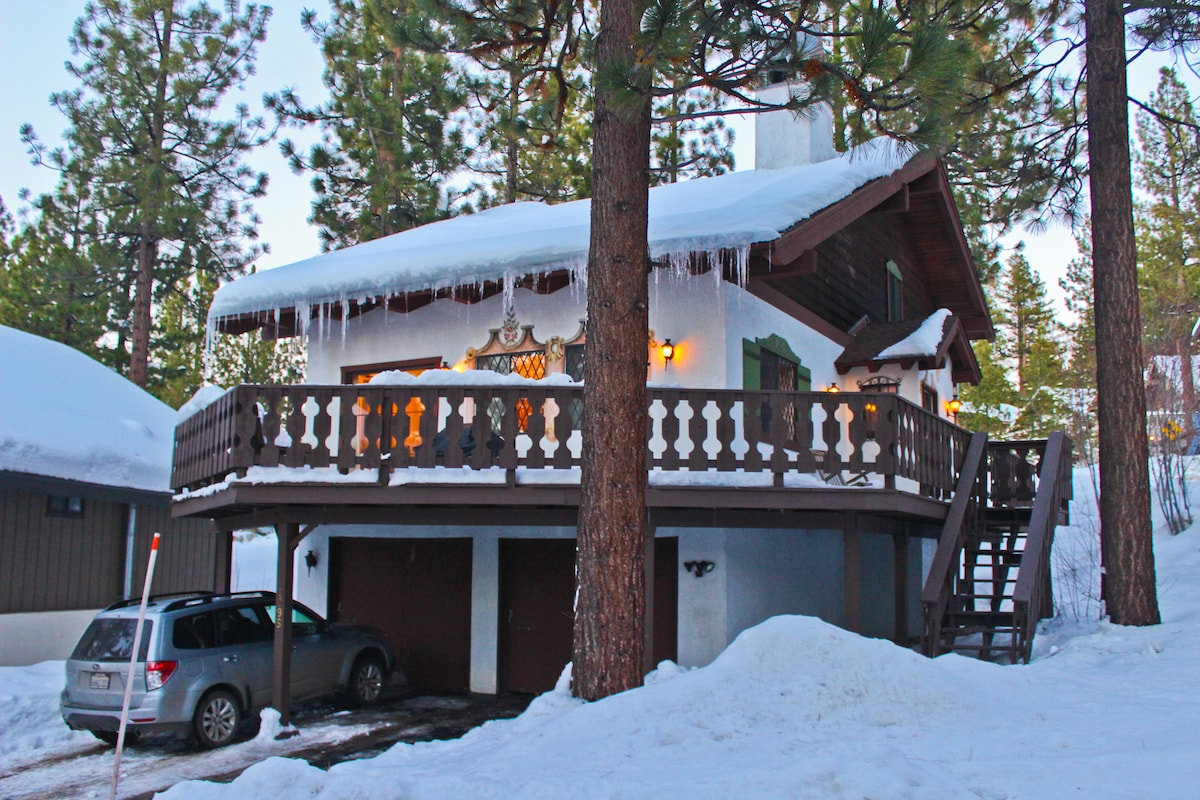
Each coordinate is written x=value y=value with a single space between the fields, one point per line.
x=537 y=597
x=537 y=617
x=418 y=591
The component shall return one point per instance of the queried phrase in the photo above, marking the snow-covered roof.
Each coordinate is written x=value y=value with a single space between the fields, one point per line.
x=709 y=215
x=924 y=342
x=64 y=415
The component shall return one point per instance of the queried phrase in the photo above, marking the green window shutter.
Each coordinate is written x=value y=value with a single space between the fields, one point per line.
x=751 y=365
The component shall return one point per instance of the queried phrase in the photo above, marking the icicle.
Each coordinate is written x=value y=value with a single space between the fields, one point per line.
x=345 y=320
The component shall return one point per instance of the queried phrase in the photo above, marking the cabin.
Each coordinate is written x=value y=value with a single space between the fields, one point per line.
x=85 y=464
x=810 y=321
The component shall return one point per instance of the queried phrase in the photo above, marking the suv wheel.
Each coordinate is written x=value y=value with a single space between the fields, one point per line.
x=366 y=681
x=217 y=719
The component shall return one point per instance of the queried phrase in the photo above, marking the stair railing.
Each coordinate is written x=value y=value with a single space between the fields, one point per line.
x=962 y=519
x=1032 y=599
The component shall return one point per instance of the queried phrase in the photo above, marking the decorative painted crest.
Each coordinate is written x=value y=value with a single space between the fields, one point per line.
x=510 y=330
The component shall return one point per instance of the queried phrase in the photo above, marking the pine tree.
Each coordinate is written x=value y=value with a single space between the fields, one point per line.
x=988 y=407
x=167 y=187
x=389 y=139
x=686 y=144
x=1168 y=228
x=1126 y=542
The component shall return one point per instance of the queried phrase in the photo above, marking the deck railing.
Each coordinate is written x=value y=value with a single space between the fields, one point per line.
x=842 y=437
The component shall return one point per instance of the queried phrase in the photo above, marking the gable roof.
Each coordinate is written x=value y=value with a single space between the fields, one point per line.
x=64 y=415
x=545 y=246
x=924 y=343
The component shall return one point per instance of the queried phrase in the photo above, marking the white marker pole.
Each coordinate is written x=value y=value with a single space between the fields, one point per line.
x=133 y=657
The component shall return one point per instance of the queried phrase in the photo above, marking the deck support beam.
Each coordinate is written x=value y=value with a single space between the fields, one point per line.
x=852 y=549
x=900 y=544
x=648 y=656
x=288 y=537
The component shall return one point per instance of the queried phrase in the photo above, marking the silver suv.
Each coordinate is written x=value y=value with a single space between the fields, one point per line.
x=206 y=664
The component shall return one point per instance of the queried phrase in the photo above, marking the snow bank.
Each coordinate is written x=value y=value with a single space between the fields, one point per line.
x=29 y=715
x=63 y=415
x=709 y=215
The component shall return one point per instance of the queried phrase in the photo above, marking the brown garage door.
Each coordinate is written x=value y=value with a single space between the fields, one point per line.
x=537 y=598
x=418 y=591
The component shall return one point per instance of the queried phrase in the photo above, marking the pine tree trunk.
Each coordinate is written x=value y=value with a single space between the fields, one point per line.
x=1126 y=541
x=143 y=289
x=610 y=602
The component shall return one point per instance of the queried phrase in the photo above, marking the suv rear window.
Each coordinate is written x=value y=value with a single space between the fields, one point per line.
x=111 y=639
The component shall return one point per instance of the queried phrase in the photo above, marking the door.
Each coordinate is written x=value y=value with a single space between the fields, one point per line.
x=418 y=592
x=537 y=596
x=537 y=612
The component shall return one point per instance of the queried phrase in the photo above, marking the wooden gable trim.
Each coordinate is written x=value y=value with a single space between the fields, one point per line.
x=820 y=226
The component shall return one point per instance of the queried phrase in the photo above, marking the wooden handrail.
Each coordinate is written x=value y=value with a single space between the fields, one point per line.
x=968 y=498
x=1028 y=594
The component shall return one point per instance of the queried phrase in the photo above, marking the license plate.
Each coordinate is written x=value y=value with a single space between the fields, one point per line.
x=99 y=680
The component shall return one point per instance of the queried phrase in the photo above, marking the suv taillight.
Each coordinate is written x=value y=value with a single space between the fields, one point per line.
x=159 y=672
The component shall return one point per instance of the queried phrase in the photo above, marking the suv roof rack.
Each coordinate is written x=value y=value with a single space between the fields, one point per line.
x=209 y=597
x=133 y=601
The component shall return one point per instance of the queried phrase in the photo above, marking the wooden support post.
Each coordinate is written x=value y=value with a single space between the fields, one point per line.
x=648 y=656
x=900 y=543
x=851 y=542
x=288 y=536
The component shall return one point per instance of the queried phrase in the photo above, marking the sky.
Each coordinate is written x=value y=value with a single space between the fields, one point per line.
x=33 y=50
x=793 y=708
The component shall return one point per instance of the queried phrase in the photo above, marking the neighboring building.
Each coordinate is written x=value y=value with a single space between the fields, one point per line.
x=84 y=474
x=802 y=448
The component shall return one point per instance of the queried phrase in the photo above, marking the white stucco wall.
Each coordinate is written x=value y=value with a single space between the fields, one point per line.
x=41 y=636
x=703 y=601
x=784 y=572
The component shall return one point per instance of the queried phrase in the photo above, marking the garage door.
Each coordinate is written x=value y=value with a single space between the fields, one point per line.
x=418 y=591
x=537 y=594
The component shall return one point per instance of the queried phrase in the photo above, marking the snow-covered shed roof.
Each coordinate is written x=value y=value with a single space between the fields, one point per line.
x=64 y=415
x=926 y=343
x=505 y=244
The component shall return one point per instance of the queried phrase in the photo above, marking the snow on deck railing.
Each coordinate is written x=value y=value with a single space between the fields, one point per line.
x=840 y=437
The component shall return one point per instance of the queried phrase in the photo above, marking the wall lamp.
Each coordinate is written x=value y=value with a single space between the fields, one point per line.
x=832 y=388
x=954 y=405
x=699 y=568
x=310 y=560
x=668 y=353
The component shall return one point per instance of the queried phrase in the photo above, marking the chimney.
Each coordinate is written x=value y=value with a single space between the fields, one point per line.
x=784 y=138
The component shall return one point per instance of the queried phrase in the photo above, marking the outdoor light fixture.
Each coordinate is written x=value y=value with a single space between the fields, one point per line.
x=310 y=560
x=953 y=406
x=668 y=353
x=832 y=388
x=699 y=568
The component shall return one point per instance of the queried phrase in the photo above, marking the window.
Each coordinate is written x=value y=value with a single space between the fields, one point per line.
x=573 y=361
x=58 y=505
x=111 y=639
x=770 y=364
x=302 y=623
x=413 y=366
x=527 y=364
x=194 y=632
x=895 y=293
x=878 y=384
x=929 y=399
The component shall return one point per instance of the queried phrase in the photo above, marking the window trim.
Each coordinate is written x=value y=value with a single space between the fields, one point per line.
x=407 y=365
x=895 y=292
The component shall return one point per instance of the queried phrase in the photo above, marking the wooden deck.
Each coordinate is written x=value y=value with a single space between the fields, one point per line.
x=388 y=454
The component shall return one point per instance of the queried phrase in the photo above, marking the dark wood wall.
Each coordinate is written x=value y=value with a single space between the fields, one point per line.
x=851 y=276
x=54 y=563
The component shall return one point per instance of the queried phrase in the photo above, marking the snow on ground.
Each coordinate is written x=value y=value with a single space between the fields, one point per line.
x=798 y=708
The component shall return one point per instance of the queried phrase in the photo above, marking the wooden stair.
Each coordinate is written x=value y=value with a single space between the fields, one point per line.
x=989 y=583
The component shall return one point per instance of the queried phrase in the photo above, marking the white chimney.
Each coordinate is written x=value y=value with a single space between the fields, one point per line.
x=784 y=138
